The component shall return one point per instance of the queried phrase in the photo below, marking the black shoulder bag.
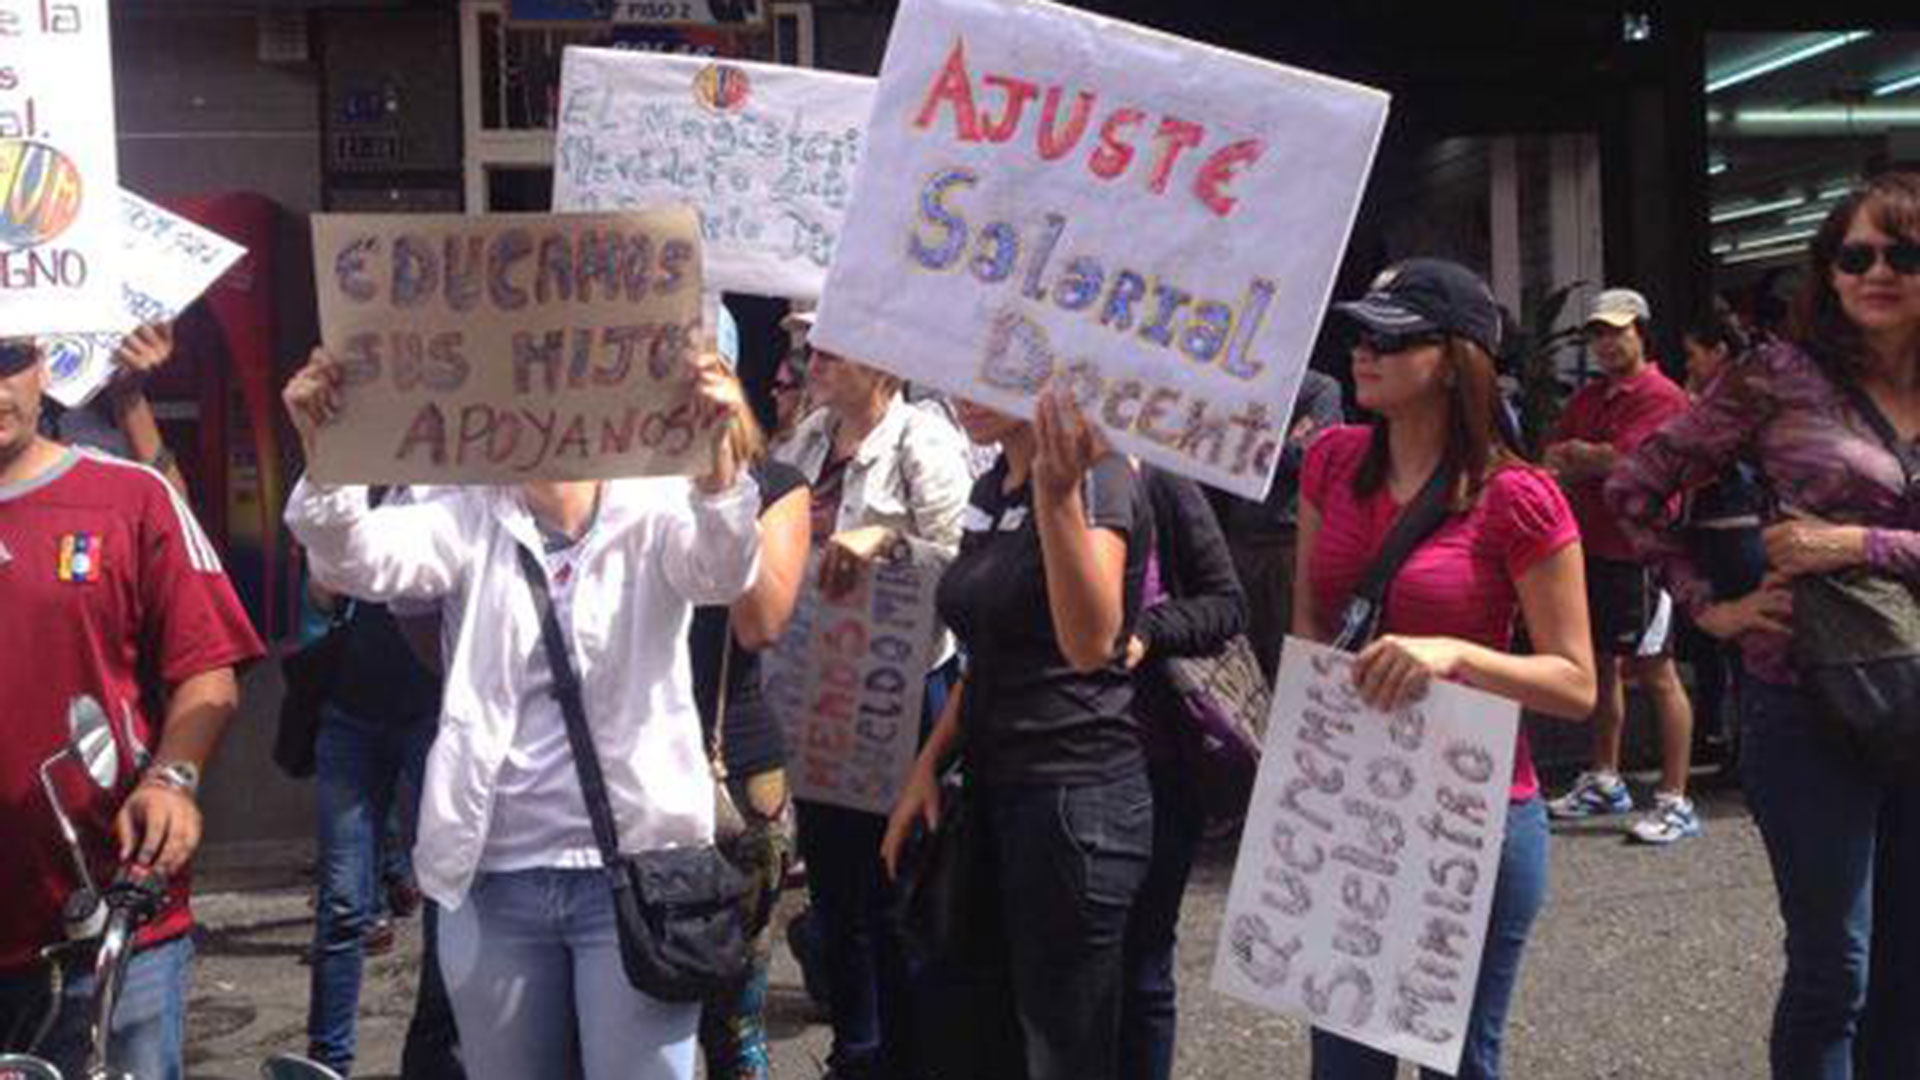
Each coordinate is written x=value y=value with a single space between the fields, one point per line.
x=1856 y=644
x=1360 y=619
x=682 y=937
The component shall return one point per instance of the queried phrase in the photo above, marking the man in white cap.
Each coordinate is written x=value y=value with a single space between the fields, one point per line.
x=1603 y=422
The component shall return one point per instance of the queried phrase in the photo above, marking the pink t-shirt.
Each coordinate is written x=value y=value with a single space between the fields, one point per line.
x=1460 y=583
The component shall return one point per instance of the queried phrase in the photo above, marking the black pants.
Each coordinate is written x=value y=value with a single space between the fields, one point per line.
x=1067 y=863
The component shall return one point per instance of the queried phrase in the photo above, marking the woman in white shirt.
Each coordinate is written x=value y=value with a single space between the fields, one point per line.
x=884 y=474
x=528 y=944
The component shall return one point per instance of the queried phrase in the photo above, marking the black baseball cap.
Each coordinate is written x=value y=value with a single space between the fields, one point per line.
x=17 y=355
x=1422 y=295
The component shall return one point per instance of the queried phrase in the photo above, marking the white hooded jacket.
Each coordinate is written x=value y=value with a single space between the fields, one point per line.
x=657 y=548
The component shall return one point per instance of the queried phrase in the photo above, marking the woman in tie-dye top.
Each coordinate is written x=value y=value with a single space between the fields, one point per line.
x=1845 y=847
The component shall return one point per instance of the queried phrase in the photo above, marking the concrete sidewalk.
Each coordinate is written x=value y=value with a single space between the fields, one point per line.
x=1648 y=964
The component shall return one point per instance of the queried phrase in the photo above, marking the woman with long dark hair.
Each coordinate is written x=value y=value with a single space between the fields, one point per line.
x=1508 y=553
x=1844 y=842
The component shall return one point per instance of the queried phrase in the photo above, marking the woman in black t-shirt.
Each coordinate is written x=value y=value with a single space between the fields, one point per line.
x=1044 y=590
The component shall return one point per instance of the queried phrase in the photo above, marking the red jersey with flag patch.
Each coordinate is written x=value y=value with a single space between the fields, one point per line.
x=110 y=593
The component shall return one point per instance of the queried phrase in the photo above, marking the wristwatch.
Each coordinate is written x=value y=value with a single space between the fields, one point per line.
x=181 y=776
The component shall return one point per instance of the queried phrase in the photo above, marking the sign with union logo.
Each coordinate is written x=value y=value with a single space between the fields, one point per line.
x=59 y=175
x=765 y=153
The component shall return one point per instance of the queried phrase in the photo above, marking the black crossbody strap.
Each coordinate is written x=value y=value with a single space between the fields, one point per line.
x=566 y=690
x=1902 y=450
x=1418 y=521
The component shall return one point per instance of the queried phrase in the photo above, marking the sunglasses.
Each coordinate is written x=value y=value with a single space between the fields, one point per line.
x=1386 y=344
x=1902 y=258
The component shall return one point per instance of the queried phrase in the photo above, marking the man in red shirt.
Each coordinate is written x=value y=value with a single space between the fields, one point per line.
x=1603 y=422
x=116 y=609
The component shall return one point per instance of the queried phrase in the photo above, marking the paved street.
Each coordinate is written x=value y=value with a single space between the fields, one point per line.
x=1647 y=965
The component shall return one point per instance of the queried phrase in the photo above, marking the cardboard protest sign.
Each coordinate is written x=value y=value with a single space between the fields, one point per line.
x=166 y=263
x=508 y=347
x=846 y=681
x=1366 y=870
x=1054 y=196
x=767 y=154
x=59 y=170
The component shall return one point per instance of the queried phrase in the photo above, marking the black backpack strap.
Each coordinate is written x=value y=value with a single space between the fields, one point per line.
x=566 y=690
x=1428 y=510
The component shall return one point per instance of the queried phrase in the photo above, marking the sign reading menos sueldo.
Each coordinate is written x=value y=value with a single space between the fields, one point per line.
x=1051 y=197
x=59 y=170
x=846 y=680
x=506 y=347
x=1367 y=865
x=765 y=153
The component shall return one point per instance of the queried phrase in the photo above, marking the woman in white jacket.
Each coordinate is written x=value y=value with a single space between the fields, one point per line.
x=885 y=475
x=528 y=945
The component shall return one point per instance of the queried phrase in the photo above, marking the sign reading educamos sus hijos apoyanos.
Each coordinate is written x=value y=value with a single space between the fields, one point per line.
x=1050 y=196
x=497 y=348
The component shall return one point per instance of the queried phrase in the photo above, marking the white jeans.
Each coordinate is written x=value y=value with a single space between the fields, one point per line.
x=532 y=966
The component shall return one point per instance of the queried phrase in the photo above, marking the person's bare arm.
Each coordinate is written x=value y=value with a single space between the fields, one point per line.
x=140 y=355
x=159 y=826
x=1085 y=564
x=760 y=616
x=1306 y=532
x=919 y=800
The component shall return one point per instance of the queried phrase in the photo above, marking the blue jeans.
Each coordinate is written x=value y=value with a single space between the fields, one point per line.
x=1518 y=895
x=1845 y=851
x=1149 y=998
x=869 y=977
x=149 y=1023
x=532 y=966
x=357 y=766
x=1067 y=863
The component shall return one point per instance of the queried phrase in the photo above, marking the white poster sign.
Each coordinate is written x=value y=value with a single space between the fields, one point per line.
x=1366 y=870
x=166 y=263
x=59 y=171
x=765 y=153
x=1053 y=196
x=846 y=681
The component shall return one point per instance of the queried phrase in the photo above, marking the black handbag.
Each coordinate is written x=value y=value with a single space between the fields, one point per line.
x=678 y=910
x=941 y=879
x=1856 y=645
x=309 y=673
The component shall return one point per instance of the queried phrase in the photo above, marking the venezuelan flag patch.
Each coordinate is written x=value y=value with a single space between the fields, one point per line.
x=79 y=558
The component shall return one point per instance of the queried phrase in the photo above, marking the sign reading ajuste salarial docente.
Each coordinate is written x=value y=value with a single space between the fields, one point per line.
x=1365 y=878
x=507 y=347
x=59 y=169
x=1052 y=196
x=766 y=153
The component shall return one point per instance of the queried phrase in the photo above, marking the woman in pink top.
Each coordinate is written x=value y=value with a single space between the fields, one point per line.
x=1509 y=551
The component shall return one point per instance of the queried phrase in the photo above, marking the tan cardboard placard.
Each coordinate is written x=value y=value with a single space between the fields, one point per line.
x=508 y=347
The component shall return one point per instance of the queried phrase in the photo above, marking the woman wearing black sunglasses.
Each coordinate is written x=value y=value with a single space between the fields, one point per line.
x=1844 y=844
x=1508 y=552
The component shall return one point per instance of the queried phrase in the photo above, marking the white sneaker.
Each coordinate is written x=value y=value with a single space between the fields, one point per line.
x=1592 y=795
x=1671 y=819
